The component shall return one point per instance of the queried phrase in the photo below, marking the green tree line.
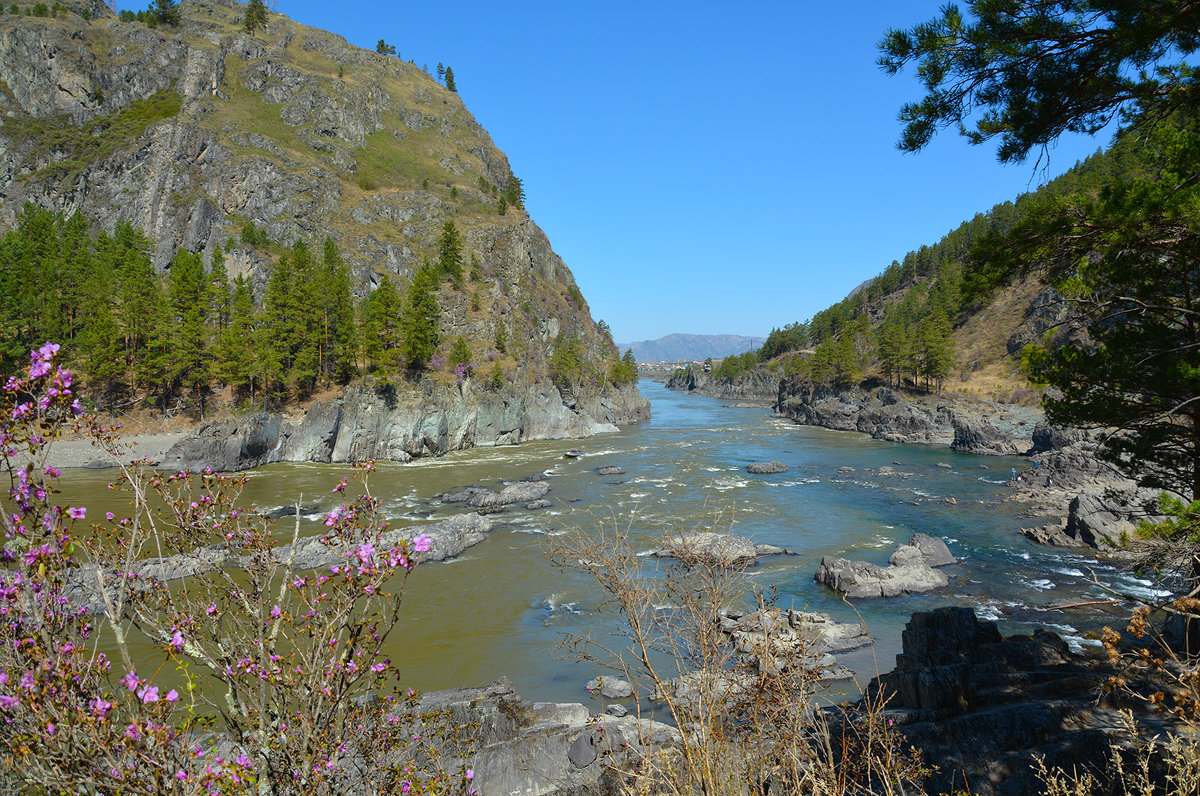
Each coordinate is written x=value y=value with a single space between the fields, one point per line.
x=166 y=338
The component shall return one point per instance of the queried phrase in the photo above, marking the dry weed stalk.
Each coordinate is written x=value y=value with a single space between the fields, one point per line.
x=748 y=715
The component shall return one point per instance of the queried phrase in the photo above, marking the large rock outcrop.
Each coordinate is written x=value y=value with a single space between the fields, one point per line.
x=380 y=421
x=757 y=387
x=883 y=413
x=981 y=707
x=545 y=748
x=912 y=569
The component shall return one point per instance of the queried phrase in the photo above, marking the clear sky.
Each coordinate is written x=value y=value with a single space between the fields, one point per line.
x=702 y=167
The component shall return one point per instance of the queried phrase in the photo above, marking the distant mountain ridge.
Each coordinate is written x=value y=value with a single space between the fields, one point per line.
x=691 y=346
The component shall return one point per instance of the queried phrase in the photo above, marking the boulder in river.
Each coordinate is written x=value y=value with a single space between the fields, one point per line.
x=910 y=570
x=610 y=687
x=610 y=469
x=520 y=492
x=766 y=468
x=721 y=549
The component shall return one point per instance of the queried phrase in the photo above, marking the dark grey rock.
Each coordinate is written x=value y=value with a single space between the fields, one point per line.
x=538 y=504
x=520 y=492
x=610 y=469
x=766 y=468
x=982 y=707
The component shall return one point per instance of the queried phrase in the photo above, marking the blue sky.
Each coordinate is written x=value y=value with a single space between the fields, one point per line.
x=701 y=167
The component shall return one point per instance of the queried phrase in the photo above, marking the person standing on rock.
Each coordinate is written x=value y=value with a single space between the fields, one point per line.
x=1013 y=476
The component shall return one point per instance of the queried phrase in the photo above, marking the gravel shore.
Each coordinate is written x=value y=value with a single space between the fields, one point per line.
x=73 y=451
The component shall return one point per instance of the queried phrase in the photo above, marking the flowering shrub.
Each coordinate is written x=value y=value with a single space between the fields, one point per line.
x=284 y=686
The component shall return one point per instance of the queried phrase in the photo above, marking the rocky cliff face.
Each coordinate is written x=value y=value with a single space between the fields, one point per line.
x=757 y=387
x=192 y=133
x=381 y=421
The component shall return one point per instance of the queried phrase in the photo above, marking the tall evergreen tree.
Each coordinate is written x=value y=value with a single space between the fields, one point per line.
x=450 y=259
x=450 y=84
x=382 y=327
x=420 y=319
x=256 y=16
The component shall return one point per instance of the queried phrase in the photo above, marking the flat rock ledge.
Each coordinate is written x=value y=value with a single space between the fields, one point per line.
x=721 y=549
x=912 y=569
x=448 y=538
x=491 y=500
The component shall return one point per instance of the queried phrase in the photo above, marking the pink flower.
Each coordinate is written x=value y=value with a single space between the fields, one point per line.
x=172 y=695
x=422 y=543
x=7 y=702
x=177 y=641
x=100 y=706
x=181 y=775
x=77 y=513
x=48 y=350
x=148 y=694
x=275 y=612
x=130 y=681
x=108 y=515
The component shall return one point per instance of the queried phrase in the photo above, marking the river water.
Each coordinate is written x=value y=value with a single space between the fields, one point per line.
x=502 y=607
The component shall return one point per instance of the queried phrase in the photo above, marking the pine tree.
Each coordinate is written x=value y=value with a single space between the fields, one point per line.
x=382 y=327
x=450 y=80
x=341 y=360
x=256 y=16
x=383 y=48
x=501 y=341
x=236 y=346
x=450 y=257
x=420 y=318
x=166 y=12
x=189 y=351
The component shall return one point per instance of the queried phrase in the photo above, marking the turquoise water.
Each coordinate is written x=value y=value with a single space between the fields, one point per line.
x=501 y=608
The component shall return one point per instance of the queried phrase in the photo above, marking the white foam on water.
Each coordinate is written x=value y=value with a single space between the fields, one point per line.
x=1146 y=593
x=645 y=553
x=636 y=495
x=990 y=613
x=1075 y=573
x=1023 y=555
x=1041 y=584
x=990 y=480
x=725 y=484
x=535 y=531
x=714 y=469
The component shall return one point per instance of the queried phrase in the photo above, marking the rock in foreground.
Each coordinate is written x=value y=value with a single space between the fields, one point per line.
x=981 y=706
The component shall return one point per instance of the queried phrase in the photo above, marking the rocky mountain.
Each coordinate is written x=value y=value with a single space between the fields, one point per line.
x=194 y=133
x=676 y=347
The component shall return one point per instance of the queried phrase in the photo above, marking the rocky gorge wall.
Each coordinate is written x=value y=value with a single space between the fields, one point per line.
x=374 y=420
x=307 y=137
x=757 y=387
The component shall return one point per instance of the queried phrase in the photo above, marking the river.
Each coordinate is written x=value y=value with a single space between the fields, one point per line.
x=502 y=607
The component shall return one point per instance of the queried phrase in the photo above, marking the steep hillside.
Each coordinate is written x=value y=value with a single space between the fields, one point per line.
x=199 y=133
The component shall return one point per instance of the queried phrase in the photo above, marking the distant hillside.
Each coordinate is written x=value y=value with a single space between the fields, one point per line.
x=691 y=346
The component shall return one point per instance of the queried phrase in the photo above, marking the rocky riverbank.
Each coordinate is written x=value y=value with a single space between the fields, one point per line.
x=1074 y=498
x=756 y=388
x=374 y=420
